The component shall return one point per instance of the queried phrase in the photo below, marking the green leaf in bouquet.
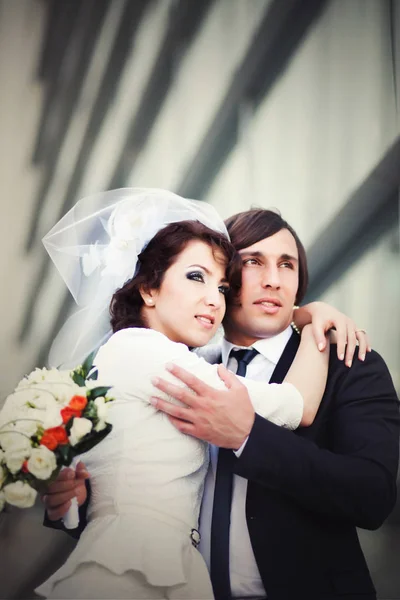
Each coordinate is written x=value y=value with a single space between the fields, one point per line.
x=78 y=378
x=88 y=363
x=91 y=439
x=90 y=411
x=65 y=454
x=93 y=375
x=97 y=392
x=9 y=478
x=68 y=425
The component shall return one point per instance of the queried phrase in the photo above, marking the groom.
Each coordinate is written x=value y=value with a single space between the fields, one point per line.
x=284 y=527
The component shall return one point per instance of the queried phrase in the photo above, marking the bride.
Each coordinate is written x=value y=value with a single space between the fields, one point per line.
x=164 y=255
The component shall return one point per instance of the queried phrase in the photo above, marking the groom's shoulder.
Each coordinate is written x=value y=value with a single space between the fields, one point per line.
x=373 y=363
x=211 y=353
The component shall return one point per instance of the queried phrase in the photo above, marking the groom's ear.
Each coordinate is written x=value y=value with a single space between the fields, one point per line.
x=148 y=296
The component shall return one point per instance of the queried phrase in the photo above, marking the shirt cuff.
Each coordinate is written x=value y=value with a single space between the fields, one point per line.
x=239 y=451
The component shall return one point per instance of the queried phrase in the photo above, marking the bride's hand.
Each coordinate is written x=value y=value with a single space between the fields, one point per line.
x=70 y=483
x=324 y=317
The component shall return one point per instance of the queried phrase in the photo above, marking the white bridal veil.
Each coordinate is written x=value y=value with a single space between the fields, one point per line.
x=95 y=248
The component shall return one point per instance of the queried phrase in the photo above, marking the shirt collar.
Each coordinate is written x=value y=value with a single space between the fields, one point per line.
x=271 y=348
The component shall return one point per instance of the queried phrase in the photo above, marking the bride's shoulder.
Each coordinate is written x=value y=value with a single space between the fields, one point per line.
x=142 y=339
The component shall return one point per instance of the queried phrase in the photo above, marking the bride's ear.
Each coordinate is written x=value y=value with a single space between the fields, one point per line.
x=148 y=296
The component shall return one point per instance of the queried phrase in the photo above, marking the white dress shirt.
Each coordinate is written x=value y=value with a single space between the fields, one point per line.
x=244 y=574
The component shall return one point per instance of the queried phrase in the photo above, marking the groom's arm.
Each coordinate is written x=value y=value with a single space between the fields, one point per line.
x=354 y=480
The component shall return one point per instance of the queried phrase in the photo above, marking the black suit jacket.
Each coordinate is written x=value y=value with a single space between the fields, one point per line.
x=309 y=489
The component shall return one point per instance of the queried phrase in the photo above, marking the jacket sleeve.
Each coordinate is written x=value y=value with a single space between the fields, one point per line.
x=280 y=403
x=353 y=477
x=75 y=533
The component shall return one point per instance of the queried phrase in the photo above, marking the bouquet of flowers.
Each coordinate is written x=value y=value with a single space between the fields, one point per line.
x=51 y=417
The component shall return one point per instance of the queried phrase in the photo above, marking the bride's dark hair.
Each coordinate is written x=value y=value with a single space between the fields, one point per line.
x=159 y=254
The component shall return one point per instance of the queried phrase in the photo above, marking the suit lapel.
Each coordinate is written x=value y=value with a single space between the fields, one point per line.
x=286 y=359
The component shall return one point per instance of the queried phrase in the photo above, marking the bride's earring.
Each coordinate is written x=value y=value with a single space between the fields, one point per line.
x=150 y=302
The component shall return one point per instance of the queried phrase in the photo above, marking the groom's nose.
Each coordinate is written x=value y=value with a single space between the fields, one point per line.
x=270 y=277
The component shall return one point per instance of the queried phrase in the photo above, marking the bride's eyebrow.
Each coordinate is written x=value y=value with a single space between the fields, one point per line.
x=200 y=267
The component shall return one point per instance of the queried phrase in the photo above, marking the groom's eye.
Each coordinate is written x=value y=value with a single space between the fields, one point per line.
x=224 y=289
x=250 y=261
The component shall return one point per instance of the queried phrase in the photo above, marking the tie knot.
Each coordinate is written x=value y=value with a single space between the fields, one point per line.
x=244 y=356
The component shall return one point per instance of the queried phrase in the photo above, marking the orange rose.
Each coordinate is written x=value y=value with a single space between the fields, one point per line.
x=49 y=441
x=78 y=402
x=24 y=467
x=59 y=433
x=67 y=413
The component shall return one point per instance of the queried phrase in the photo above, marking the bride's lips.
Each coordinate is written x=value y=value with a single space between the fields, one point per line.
x=207 y=321
x=269 y=306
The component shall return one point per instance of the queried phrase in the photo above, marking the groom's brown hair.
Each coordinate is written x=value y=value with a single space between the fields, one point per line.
x=252 y=226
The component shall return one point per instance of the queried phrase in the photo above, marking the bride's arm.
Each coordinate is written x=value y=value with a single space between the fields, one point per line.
x=323 y=317
x=306 y=377
x=308 y=373
x=280 y=403
x=134 y=369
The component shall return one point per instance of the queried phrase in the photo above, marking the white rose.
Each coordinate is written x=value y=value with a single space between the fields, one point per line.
x=80 y=427
x=52 y=418
x=27 y=419
x=100 y=425
x=18 y=431
x=26 y=422
x=44 y=400
x=51 y=383
x=42 y=462
x=2 y=501
x=17 y=401
x=64 y=392
x=46 y=417
x=14 y=440
x=102 y=408
x=27 y=425
x=41 y=375
x=92 y=383
x=29 y=408
x=48 y=393
x=95 y=383
x=15 y=458
x=20 y=494
x=34 y=377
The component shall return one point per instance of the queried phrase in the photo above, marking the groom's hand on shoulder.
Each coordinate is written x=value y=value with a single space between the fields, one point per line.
x=70 y=483
x=221 y=417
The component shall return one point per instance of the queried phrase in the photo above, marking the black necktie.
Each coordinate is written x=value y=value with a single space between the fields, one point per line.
x=243 y=357
x=221 y=515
